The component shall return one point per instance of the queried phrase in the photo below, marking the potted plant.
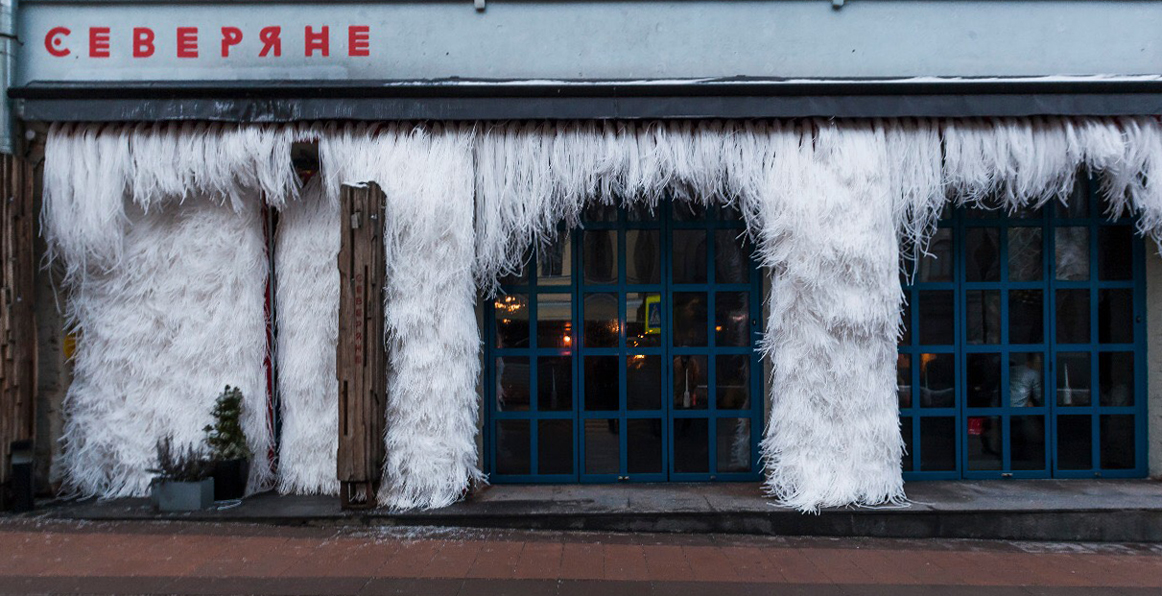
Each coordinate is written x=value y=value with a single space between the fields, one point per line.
x=182 y=481
x=228 y=450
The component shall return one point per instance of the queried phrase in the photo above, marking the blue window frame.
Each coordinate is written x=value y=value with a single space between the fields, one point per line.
x=1023 y=353
x=626 y=352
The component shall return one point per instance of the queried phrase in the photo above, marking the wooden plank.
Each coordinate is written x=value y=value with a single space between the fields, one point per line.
x=361 y=358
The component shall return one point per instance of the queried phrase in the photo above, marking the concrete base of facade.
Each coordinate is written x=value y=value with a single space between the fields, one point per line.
x=1043 y=510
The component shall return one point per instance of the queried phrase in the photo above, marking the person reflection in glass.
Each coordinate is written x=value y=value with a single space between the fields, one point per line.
x=1025 y=388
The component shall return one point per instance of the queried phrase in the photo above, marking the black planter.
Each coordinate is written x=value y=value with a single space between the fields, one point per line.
x=230 y=479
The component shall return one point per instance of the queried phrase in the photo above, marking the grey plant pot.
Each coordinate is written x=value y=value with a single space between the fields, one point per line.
x=168 y=495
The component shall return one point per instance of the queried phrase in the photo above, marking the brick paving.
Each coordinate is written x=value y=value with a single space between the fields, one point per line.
x=39 y=556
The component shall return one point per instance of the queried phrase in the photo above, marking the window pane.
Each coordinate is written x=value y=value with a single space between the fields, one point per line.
x=1116 y=375
x=1025 y=311
x=644 y=451
x=982 y=255
x=983 y=314
x=555 y=383
x=643 y=382
x=512 y=447
x=688 y=211
x=1073 y=316
x=1073 y=379
x=689 y=319
x=643 y=313
x=906 y=323
x=554 y=321
x=599 y=251
x=1115 y=316
x=1117 y=442
x=689 y=256
x=733 y=445
x=599 y=212
x=1072 y=253
x=602 y=446
x=1115 y=253
x=984 y=380
x=643 y=257
x=731 y=265
x=691 y=445
x=512 y=384
x=937 y=380
x=937 y=444
x=985 y=443
x=906 y=431
x=601 y=382
x=1074 y=443
x=732 y=319
x=1027 y=442
x=1025 y=254
x=601 y=326
x=555 y=447
x=904 y=380
x=1078 y=203
x=642 y=212
x=936 y=266
x=690 y=382
x=732 y=380
x=512 y=321
x=936 y=322
x=555 y=262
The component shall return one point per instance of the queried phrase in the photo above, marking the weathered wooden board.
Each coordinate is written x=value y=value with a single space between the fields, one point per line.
x=361 y=365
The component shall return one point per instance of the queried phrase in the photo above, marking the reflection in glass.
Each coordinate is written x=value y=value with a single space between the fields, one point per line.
x=732 y=319
x=983 y=314
x=691 y=445
x=1027 y=442
x=731 y=264
x=904 y=379
x=643 y=382
x=640 y=211
x=601 y=326
x=644 y=450
x=512 y=447
x=1072 y=253
x=732 y=381
x=937 y=380
x=689 y=319
x=601 y=382
x=1073 y=316
x=512 y=383
x=688 y=211
x=936 y=266
x=1025 y=323
x=1026 y=379
x=512 y=321
x=982 y=251
x=643 y=257
x=690 y=386
x=689 y=256
x=906 y=322
x=1117 y=442
x=985 y=442
x=1077 y=204
x=1073 y=379
x=936 y=317
x=599 y=252
x=1025 y=254
x=1115 y=253
x=555 y=383
x=937 y=444
x=554 y=446
x=906 y=432
x=733 y=445
x=1115 y=316
x=602 y=446
x=1074 y=443
x=983 y=378
x=599 y=212
x=1115 y=372
x=555 y=262
x=643 y=326
x=554 y=320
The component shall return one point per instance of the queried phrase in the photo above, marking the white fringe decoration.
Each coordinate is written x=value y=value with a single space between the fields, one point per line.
x=430 y=321
x=307 y=299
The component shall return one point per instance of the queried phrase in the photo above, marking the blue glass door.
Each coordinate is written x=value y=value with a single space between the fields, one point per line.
x=626 y=353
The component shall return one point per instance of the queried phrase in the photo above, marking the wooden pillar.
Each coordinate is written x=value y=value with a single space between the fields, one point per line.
x=361 y=364
x=17 y=323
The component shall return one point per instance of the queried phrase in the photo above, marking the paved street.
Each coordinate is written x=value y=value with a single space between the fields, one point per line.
x=196 y=558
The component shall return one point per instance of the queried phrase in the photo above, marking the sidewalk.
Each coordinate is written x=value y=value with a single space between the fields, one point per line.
x=198 y=558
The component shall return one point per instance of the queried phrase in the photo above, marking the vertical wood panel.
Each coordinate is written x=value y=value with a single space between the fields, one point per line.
x=361 y=352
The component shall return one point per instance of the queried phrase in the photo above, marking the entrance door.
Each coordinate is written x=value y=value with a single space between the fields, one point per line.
x=625 y=352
